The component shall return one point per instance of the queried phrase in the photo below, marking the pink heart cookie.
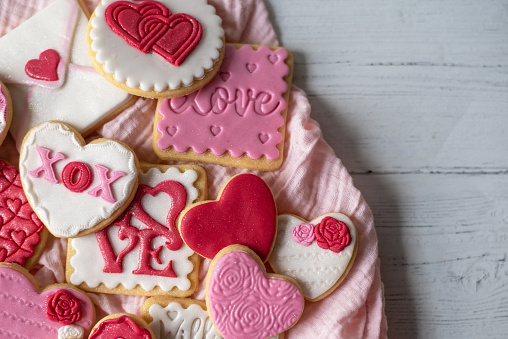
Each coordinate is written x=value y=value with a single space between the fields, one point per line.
x=28 y=312
x=246 y=302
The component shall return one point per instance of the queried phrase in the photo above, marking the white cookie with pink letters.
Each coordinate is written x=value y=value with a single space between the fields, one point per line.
x=318 y=254
x=76 y=189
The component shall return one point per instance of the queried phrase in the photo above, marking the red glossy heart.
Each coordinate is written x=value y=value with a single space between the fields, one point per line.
x=245 y=214
x=44 y=68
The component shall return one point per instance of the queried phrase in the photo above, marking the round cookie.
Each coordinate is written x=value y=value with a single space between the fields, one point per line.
x=5 y=111
x=156 y=49
x=121 y=325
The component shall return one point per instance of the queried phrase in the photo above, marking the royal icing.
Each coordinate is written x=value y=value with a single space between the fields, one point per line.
x=4 y=113
x=47 y=150
x=316 y=269
x=23 y=313
x=244 y=214
x=142 y=247
x=150 y=71
x=238 y=112
x=44 y=68
x=20 y=229
x=63 y=307
x=243 y=303
x=174 y=321
x=71 y=332
x=121 y=327
x=79 y=96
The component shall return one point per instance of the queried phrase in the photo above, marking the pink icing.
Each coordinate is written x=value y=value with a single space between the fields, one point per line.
x=23 y=311
x=238 y=112
x=245 y=304
x=3 y=112
x=105 y=185
x=303 y=234
x=47 y=164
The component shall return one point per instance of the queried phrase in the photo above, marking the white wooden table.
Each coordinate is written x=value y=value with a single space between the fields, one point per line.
x=413 y=97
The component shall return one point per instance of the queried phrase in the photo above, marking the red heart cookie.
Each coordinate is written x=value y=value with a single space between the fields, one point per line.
x=122 y=325
x=244 y=213
x=44 y=68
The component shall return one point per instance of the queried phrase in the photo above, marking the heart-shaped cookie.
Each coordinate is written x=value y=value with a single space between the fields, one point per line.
x=317 y=254
x=121 y=325
x=22 y=234
x=246 y=302
x=27 y=312
x=244 y=213
x=76 y=189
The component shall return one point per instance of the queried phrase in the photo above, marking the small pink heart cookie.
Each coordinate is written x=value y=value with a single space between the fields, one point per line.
x=56 y=311
x=244 y=301
x=5 y=111
x=121 y=325
x=317 y=254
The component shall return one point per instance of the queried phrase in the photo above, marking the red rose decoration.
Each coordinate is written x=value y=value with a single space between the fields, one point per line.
x=332 y=234
x=63 y=307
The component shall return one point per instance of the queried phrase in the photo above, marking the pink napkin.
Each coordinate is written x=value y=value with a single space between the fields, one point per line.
x=311 y=182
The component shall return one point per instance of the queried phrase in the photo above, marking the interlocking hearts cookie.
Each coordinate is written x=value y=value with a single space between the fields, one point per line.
x=5 y=111
x=56 y=311
x=76 y=189
x=246 y=302
x=318 y=254
x=244 y=213
x=121 y=325
x=22 y=234
x=156 y=49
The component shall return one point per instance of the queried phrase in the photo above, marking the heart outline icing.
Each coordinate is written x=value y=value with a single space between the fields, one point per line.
x=66 y=213
x=150 y=26
x=318 y=271
x=246 y=302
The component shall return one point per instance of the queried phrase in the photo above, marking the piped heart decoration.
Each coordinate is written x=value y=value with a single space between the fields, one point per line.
x=28 y=312
x=245 y=302
x=317 y=254
x=244 y=213
x=150 y=26
x=52 y=150
x=45 y=68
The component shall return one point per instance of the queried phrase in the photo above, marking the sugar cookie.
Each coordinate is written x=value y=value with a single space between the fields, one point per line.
x=121 y=325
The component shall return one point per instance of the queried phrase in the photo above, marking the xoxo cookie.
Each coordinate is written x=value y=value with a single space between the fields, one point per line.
x=121 y=325
x=156 y=49
x=141 y=252
x=318 y=254
x=244 y=301
x=244 y=213
x=56 y=311
x=50 y=75
x=22 y=234
x=238 y=119
x=76 y=189
x=5 y=111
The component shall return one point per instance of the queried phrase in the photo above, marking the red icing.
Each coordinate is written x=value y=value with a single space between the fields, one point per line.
x=244 y=214
x=77 y=176
x=121 y=327
x=19 y=226
x=332 y=234
x=151 y=26
x=113 y=263
x=44 y=68
x=63 y=307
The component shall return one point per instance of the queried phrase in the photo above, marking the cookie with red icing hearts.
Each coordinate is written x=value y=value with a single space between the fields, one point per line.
x=318 y=253
x=55 y=311
x=156 y=49
x=22 y=234
x=5 y=111
x=244 y=301
x=121 y=325
x=76 y=188
x=244 y=213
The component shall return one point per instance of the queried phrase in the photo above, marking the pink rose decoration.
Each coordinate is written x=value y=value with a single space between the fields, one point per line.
x=303 y=234
x=63 y=307
x=332 y=234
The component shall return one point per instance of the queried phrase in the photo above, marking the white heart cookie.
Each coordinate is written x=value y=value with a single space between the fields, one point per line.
x=76 y=189
x=318 y=262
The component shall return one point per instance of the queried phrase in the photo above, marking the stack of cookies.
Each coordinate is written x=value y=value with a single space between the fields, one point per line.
x=136 y=228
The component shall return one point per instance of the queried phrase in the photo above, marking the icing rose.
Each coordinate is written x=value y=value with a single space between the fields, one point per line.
x=303 y=234
x=332 y=234
x=71 y=332
x=63 y=307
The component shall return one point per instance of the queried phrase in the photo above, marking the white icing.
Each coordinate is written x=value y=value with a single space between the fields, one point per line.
x=315 y=269
x=151 y=71
x=64 y=212
x=4 y=112
x=87 y=248
x=174 y=321
x=71 y=332
x=81 y=97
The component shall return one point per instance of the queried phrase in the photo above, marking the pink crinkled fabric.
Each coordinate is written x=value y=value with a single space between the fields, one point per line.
x=311 y=182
